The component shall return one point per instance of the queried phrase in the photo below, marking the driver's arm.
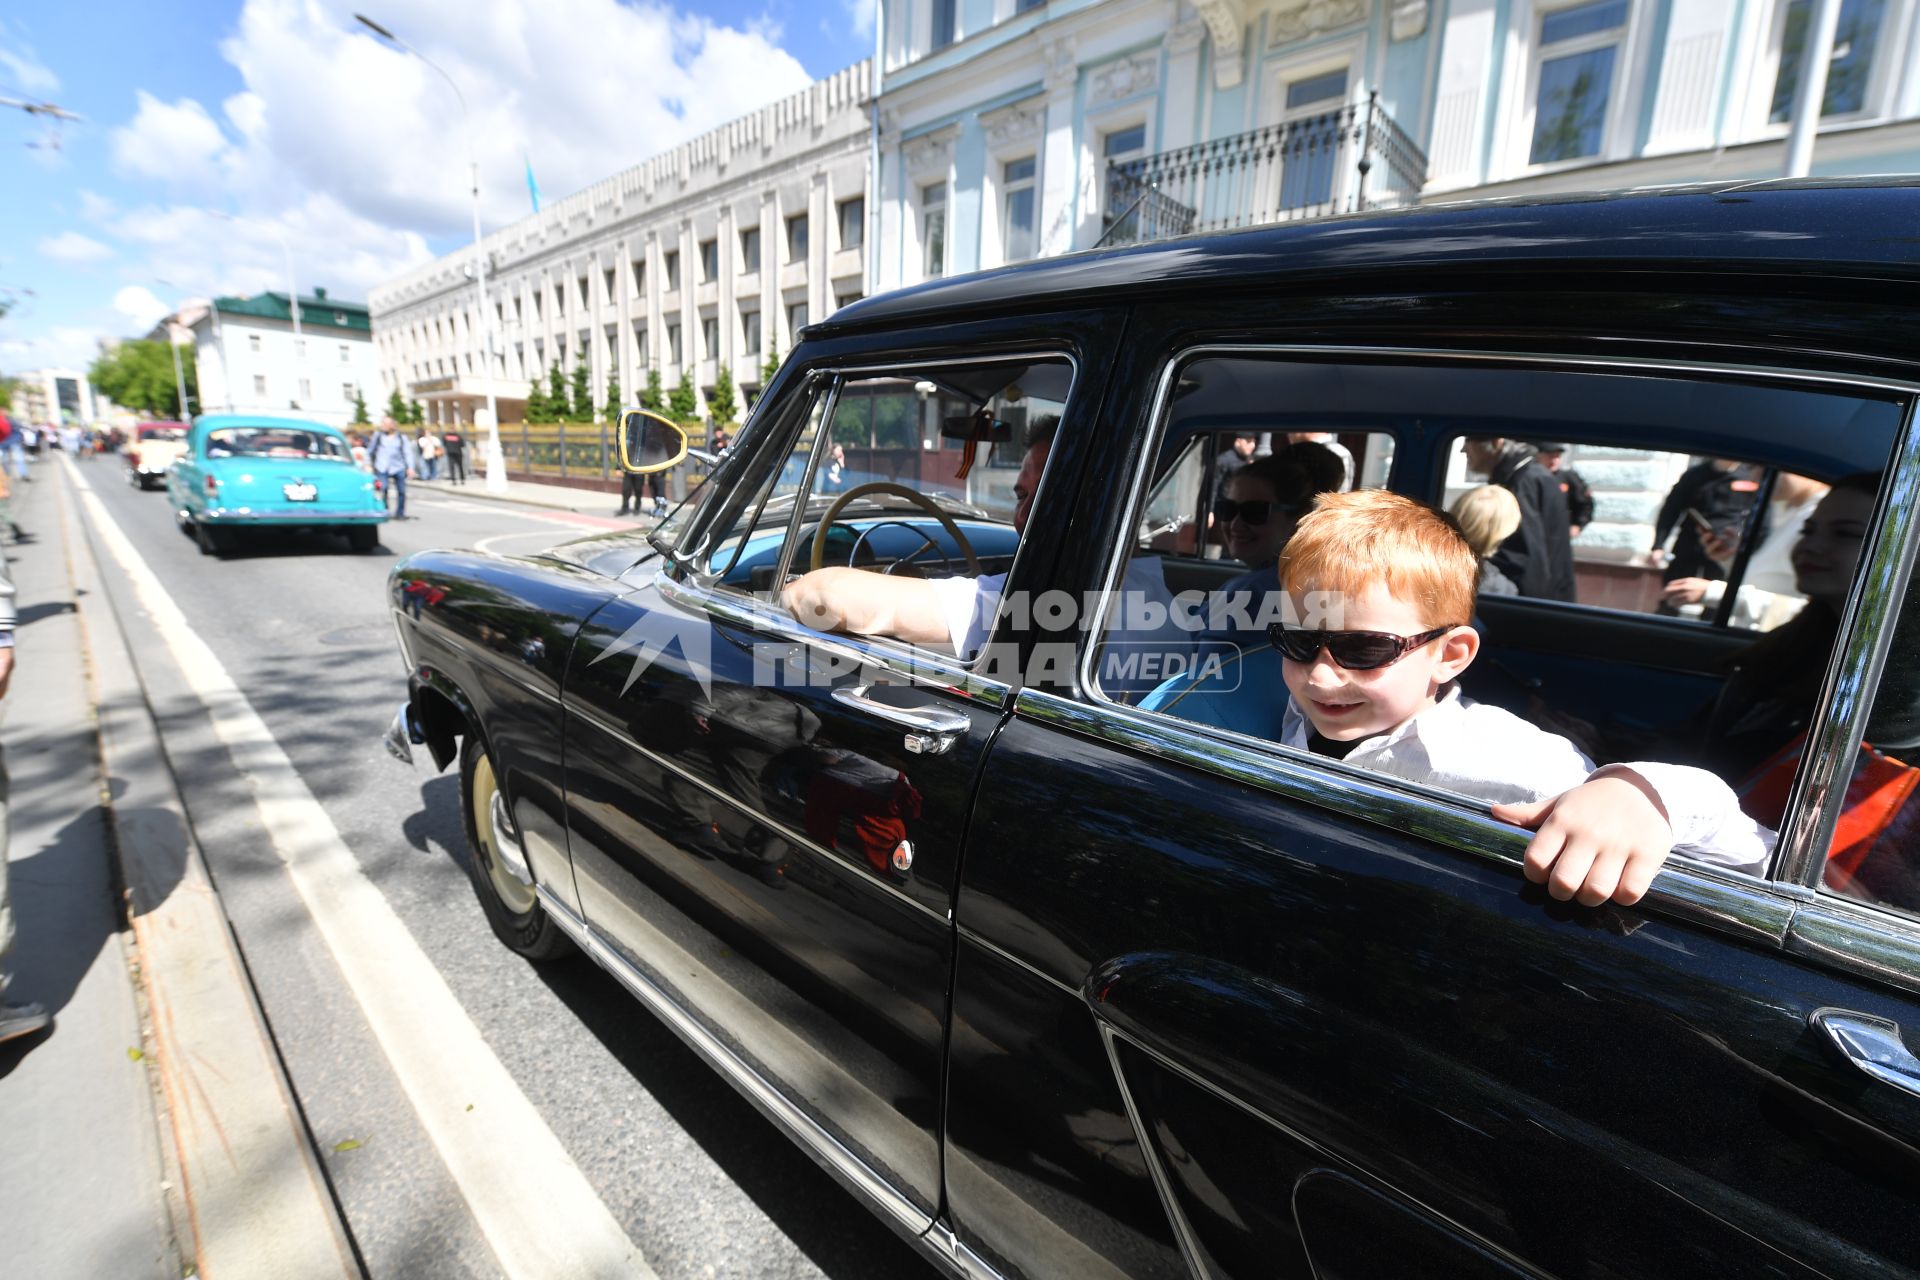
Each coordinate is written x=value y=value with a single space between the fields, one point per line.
x=840 y=598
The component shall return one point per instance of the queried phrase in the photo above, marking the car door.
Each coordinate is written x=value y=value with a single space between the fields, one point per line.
x=1320 y=1018
x=765 y=820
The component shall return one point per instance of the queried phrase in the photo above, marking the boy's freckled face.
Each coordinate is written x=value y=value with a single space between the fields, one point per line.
x=1349 y=705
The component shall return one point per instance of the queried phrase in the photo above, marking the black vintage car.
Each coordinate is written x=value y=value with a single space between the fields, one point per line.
x=1065 y=965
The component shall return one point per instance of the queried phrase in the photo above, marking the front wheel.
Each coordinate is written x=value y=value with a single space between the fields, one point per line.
x=511 y=907
x=213 y=540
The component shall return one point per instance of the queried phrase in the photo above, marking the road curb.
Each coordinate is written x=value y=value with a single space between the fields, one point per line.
x=257 y=1199
x=514 y=499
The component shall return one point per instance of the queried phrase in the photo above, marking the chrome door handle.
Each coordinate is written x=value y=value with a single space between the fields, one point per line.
x=930 y=730
x=1873 y=1045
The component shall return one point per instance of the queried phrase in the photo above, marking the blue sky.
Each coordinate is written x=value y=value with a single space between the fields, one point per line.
x=217 y=133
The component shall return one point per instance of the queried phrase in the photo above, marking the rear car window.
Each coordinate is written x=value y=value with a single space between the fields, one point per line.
x=275 y=442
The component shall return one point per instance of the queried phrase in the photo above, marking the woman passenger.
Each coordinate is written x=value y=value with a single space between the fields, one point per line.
x=1488 y=516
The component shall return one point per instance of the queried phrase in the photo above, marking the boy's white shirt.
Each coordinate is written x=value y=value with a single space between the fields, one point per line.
x=1479 y=750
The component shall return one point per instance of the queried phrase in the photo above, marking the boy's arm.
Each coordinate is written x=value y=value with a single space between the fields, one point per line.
x=1609 y=836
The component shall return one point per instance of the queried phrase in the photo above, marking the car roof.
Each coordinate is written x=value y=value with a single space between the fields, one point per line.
x=203 y=426
x=1855 y=227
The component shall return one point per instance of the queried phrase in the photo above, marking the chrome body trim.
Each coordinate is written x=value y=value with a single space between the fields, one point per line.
x=1858 y=938
x=401 y=734
x=1027 y=967
x=1751 y=909
x=919 y=666
x=1846 y=696
x=786 y=1114
x=797 y=838
x=1183 y=1233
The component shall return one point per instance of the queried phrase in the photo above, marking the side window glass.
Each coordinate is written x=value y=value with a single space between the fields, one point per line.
x=761 y=506
x=1395 y=652
x=1875 y=850
x=913 y=476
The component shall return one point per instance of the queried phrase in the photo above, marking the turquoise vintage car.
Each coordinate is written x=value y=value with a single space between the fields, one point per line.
x=243 y=472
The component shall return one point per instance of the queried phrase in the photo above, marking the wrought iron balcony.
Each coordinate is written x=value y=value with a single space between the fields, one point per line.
x=1342 y=161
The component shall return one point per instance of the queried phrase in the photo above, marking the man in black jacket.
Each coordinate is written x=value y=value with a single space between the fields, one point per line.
x=1553 y=456
x=1539 y=555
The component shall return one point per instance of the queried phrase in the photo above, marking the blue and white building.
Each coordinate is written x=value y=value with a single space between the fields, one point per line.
x=1010 y=129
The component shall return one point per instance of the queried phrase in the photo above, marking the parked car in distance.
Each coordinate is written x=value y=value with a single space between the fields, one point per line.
x=152 y=451
x=241 y=472
x=1063 y=960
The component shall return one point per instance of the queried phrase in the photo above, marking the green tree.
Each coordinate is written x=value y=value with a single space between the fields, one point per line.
x=654 y=398
x=581 y=408
x=559 y=404
x=397 y=408
x=683 y=405
x=139 y=375
x=6 y=392
x=722 y=405
x=417 y=415
x=536 y=402
x=613 y=399
x=771 y=367
x=359 y=408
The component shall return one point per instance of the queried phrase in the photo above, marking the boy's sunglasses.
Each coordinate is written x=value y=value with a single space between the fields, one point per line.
x=1353 y=650
x=1225 y=509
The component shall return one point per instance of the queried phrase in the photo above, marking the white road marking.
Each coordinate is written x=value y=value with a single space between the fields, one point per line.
x=486 y=544
x=538 y=1211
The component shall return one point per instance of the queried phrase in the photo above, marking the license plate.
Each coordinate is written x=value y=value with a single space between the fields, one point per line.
x=300 y=492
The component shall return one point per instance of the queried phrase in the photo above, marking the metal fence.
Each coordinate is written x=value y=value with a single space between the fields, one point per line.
x=1338 y=162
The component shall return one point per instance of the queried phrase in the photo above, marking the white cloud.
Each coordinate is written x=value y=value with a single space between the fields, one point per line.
x=23 y=69
x=72 y=247
x=178 y=143
x=94 y=207
x=61 y=347
x=137 y=303
x=860 y=16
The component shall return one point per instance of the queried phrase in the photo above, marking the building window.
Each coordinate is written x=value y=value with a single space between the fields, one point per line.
x=253 y=343
x=853 y=222
x=709 y=336
x=797 y=238
x=612 y=292
x=671 y=262
x=1021 y=6
x=348 y=391
x=796 y=318
x=346 y=354
x=1017 y=197
x=942 y=23
x=750 y=331
x=709 y=259
x=259 y=384
x=536 y=306
x=749 y=250
x=933 y=228
x=639 y=276
x=1314 y=130
x=299 y=348
x=580 y=301
x=1574 y=65
x=640 y=341
x=847 y=299
x=1854 y=41
x=673 y=345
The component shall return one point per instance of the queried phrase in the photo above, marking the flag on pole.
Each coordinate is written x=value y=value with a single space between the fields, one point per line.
x=533 y=188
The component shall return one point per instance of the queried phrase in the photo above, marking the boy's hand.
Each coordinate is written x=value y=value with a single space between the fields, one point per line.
x=1606 y=838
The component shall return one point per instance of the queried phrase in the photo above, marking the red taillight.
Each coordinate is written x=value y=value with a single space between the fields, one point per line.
x=213 y=485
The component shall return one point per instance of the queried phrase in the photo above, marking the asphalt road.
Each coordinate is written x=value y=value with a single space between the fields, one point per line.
x=699 y=1181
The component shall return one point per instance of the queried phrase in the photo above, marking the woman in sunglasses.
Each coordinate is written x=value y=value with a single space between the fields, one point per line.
x=1382 y=588
x=1257 y=513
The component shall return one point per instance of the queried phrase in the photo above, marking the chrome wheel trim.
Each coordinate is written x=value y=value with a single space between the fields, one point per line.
x=495 y=837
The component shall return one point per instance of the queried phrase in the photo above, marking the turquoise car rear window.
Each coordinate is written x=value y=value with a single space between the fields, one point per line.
x=275 y=442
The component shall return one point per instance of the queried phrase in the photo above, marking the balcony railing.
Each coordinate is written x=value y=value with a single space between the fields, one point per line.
x=1346 y=160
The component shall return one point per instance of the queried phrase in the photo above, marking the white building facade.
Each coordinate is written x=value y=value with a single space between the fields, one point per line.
x=249 y=359
x=998 y=118
x=711 y=255
x=50 y=397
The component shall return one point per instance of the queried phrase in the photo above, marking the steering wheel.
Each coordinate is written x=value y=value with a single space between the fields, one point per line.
x=918 y=499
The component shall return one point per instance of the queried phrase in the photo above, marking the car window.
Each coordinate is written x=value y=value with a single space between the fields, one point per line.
x=907 y=473
x=275 y=442
x=1590 y=687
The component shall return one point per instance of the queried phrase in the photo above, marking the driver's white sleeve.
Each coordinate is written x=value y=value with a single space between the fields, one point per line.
x=968 y=605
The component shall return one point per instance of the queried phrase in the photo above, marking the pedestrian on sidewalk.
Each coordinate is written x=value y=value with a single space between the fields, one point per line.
x=393 y=458
x=456 y=446
x=26 y=1017
x=632 y=486
x=430 y=451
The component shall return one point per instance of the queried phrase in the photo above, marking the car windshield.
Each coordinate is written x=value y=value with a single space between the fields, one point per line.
x=275 y=442
x=172 y=434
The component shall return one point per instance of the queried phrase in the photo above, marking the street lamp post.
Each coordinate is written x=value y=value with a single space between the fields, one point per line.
x=496 y=462
x=179 y=379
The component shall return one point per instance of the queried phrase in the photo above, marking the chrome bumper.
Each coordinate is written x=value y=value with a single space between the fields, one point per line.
x=402 y=734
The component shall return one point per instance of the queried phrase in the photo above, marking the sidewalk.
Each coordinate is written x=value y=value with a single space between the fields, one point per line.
x=152 y=1132
x=81 y=1170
